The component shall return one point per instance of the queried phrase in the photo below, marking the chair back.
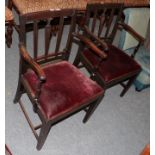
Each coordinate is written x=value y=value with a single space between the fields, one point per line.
x=53 y=40
x=102 y=19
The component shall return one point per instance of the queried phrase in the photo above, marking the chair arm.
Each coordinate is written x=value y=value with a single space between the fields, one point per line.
x=38 y=70
x=101 y=42
x=91 y=45
x=131 y=31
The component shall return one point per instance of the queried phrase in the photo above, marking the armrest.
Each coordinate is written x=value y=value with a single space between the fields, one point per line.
x=131 y=31
x=38 y=70
x=101 y=42
x=91 y=45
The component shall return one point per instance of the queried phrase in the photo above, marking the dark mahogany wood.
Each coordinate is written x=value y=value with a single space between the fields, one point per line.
x=9 y=31
x=29 y=26
x=99 y=27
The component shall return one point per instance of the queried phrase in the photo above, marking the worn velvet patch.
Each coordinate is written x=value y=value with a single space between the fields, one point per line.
x=65 y=88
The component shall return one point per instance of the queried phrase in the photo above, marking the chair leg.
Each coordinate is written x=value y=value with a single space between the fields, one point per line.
x=92 y=76
x=91 y=109
x=43 y=135
x=77 y=60
x=19 y=92
x=128 y=85
x=9 y=34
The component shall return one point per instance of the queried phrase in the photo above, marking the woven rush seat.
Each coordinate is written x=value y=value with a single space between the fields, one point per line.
x=61 y=93
x=126 y=3
x=8 y=14
x=30 y=6
x=135 y=3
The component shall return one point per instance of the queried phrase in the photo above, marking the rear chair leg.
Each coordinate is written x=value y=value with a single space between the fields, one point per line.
x=91 y=109
x=77 y=60
x=128 y=85
x=43 y=135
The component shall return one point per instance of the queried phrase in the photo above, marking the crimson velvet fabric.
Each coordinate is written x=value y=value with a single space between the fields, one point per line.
x=116 y=65
x=65 y=89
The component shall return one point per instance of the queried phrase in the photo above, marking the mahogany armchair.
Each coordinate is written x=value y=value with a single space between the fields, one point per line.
x=106 y=63
x=56 y=88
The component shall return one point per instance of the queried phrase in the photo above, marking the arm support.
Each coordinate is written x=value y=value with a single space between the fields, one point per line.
x=101 y=42
x=131 y=31
x=91 y=45
x=38 y=70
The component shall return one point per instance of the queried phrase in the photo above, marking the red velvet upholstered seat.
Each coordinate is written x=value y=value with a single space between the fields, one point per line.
x=65 y=89
x=116 y=65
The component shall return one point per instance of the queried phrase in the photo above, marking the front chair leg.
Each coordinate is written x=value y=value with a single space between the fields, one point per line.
x=128 y=85
x=19 y=92
x=91 y=109
x=43 y=135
